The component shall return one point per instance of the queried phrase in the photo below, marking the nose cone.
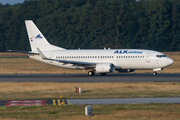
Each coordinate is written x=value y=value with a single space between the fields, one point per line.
x=169 y=61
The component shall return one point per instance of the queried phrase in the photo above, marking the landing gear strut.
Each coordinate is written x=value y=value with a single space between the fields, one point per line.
x=91 y=73
x=154 y=73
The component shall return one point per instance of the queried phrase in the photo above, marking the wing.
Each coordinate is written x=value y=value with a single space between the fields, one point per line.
x=85 y=64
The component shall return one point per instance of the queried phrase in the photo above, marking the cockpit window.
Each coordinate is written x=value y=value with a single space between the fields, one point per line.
x=160 y=56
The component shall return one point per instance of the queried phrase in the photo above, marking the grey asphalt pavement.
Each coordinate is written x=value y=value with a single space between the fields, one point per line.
x=86 y=78
x=125 y=101
x=91 y=101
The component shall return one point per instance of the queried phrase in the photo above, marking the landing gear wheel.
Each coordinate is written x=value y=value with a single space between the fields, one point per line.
x=102 y=74
x=154 y=73
x=91 y=73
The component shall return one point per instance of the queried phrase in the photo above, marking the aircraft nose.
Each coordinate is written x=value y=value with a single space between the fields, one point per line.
x=169 y=61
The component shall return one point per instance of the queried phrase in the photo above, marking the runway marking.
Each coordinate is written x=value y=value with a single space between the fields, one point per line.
x=68 y=103
x=54 y=102
x=60 y=102
x=25 y=102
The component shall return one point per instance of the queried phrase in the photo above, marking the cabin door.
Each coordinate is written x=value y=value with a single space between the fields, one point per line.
x=148 y=57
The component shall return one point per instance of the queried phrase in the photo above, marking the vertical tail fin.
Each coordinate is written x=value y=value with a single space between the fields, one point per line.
x=36 y=38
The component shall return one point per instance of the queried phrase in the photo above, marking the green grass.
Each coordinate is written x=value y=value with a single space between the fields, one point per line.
x=83 y=95
x=26 y=90
x=153 y=111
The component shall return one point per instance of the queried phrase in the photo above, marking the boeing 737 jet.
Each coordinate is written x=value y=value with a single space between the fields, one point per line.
x=100 y=61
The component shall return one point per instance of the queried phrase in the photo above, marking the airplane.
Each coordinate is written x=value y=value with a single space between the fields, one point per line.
x=100 y=61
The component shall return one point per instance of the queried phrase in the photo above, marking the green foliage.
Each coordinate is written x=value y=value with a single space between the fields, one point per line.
x=72 y=24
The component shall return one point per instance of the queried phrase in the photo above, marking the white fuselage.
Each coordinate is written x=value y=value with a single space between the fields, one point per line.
x=122 y=59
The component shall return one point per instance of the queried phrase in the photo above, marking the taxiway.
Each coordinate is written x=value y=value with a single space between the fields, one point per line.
x=85 y=78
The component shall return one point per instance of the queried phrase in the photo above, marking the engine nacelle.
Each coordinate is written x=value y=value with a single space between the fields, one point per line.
x=104 y=68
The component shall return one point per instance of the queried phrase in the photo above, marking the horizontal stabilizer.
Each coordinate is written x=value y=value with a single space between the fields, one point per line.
x=26 y=52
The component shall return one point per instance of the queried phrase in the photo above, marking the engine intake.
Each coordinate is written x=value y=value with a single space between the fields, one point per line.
x=104 y=68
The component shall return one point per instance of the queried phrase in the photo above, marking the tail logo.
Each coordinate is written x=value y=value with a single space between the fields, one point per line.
x=39 y=36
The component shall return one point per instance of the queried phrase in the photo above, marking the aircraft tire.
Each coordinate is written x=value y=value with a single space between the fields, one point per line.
x=154 y=73
x=91 y=73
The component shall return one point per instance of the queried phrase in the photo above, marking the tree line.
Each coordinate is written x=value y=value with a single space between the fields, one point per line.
x=94 y=24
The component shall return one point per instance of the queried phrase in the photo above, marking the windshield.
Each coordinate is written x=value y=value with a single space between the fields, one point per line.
x=160 y=56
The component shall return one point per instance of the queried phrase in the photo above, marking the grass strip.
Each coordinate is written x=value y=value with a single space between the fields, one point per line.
x=49 y=90
x=100 y=112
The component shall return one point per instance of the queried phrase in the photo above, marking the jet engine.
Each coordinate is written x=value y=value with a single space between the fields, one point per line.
x=104 y=68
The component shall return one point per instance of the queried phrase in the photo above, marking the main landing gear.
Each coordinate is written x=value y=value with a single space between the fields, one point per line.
x=154 y=73
x=91 y=73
